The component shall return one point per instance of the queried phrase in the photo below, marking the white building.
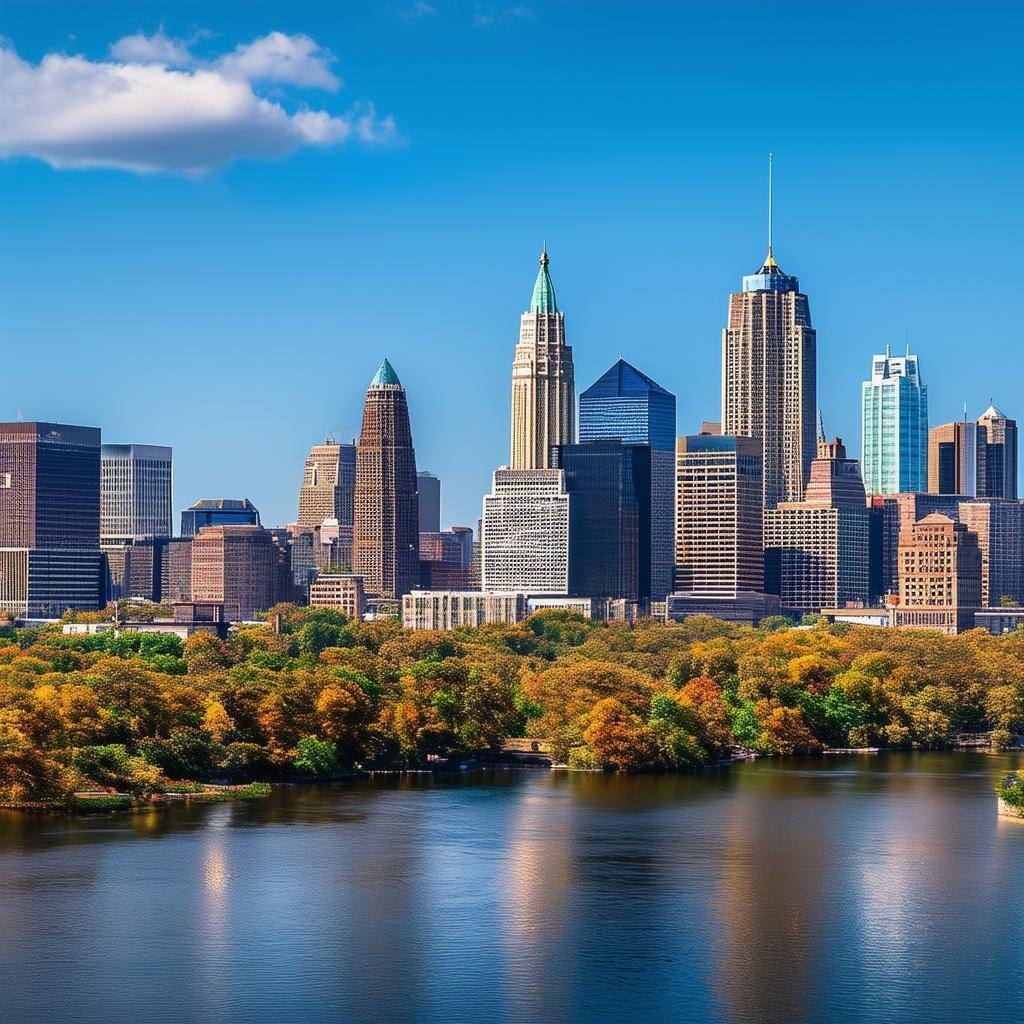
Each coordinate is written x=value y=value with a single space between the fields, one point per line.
x=449 y=609
x=525 y=534
x=135 y=493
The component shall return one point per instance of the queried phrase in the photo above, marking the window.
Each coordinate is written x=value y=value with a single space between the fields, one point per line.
x=5 y=481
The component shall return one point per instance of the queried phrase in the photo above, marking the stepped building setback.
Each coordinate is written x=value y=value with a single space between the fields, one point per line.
x=543 y=389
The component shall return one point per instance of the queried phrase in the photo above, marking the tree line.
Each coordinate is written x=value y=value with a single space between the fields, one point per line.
x=140 y=712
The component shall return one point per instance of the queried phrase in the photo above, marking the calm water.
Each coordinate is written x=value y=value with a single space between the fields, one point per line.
x=868 y=889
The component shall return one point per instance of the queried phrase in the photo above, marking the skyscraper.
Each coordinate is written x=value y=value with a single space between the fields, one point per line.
x=525 y=532
x=894 y=426
x=543 y=391
x=816 y=550
x=328 y=484
x=49 y=518
x=956 y=458
x=135 y=492
x=769 y=383
x=236 y=566
x=719 y=547
x=626 y=404
x=609 y=487
x=1000 y=454
x=385 y=542
x=429 y=489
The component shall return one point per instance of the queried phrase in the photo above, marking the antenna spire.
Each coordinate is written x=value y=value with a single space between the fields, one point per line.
x=821 y=426
x=770 y=203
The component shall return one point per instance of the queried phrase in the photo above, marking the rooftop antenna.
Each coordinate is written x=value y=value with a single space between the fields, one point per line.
x=908 y=340
x=965 y=412
x=821 y=426
x=770 y=196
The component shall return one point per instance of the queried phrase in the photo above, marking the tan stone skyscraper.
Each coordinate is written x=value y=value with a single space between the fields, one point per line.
x=385 y=543
x=769 y=379
x=328 y=484
x=543 y=390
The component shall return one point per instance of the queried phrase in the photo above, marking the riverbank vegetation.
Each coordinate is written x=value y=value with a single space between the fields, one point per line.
x=139 y=713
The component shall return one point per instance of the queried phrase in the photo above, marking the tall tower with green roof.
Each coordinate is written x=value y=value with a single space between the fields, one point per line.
x=385 y=535
x=543 y=387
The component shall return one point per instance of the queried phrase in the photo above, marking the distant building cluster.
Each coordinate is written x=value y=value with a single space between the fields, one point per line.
x=601 y=509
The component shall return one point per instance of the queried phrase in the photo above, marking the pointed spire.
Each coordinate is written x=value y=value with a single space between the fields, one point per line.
x=543 y=300
x=771 y=259
x=384 y=376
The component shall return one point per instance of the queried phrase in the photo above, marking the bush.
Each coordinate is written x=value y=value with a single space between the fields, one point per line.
x=315 y=756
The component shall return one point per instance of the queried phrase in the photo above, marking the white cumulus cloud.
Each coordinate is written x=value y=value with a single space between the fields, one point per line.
x=155 y=107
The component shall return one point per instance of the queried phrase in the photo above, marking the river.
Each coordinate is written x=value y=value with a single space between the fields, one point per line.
x=833 y=889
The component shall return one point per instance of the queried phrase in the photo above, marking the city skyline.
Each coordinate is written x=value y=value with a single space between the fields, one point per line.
x=649 y=235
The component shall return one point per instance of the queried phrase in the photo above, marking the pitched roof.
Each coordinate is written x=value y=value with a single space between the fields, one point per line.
x=543 y=300
x=384 y=376
x=622 y=380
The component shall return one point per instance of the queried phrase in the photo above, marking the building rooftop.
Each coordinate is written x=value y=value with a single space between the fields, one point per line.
x=543 y=300
x=222 y=504
x=385 y=377
x=621 y=381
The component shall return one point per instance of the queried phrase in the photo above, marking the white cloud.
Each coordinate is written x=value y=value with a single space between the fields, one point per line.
x=143 y=112
x=155 y=49
x=294 y=60
x=488 y=14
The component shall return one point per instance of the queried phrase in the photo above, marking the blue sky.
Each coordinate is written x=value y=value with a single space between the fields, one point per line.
x=238 y=311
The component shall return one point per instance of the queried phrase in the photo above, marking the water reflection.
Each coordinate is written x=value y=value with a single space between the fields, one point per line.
x=864 y=889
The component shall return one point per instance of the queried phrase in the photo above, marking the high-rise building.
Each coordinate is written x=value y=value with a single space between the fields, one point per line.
x=236 y=566
x=218 y=512
x=894 y=513
x=525 y=533
x=609 y=488
x=429 y=489
x=446 y=558
x=956 y=458
x=894 y=426
x=328 y=484
x=385 y=540
x=998 y=523
x=626 y=404
x=769 y=382
x=49 y=519
x=719 y=520
x=1000 y=454
x=816 y=550
x=939 y=574
x=135 y=502
x=176 y=570
x=543 y=391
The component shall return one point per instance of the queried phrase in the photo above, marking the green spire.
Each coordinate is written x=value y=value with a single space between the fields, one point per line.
x=384 y=376
x=543 y=300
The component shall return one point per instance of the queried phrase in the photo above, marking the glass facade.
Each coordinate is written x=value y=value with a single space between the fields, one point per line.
x=894 y=433
x=218 y=512
x=626 y=404
x=609 y=486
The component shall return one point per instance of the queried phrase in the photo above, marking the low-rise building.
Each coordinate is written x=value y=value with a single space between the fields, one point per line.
x=344 y=591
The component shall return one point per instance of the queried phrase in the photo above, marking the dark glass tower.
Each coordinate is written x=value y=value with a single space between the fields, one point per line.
x=609 y=486
x=627 y=405
x=385 y=543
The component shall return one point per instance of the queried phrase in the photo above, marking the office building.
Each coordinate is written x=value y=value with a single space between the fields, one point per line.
x=176 y=570
x=50 y=557
x=446 y=559
x=816 y=550
x=343 y=591
x=443 y=610
x=1000 y=454
x=236 y=566
x=385 y=540
x=609 y=488
x=719 y=520
x=218 y=512
x=956 y=458
x=894 y=426
x=328 y=484
x=428 y=487
x=939 y=576
x=135 y=493
x=543 y=389
x=525 y=533
x=998 y=523
x=769 y=382
x=626 y=404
